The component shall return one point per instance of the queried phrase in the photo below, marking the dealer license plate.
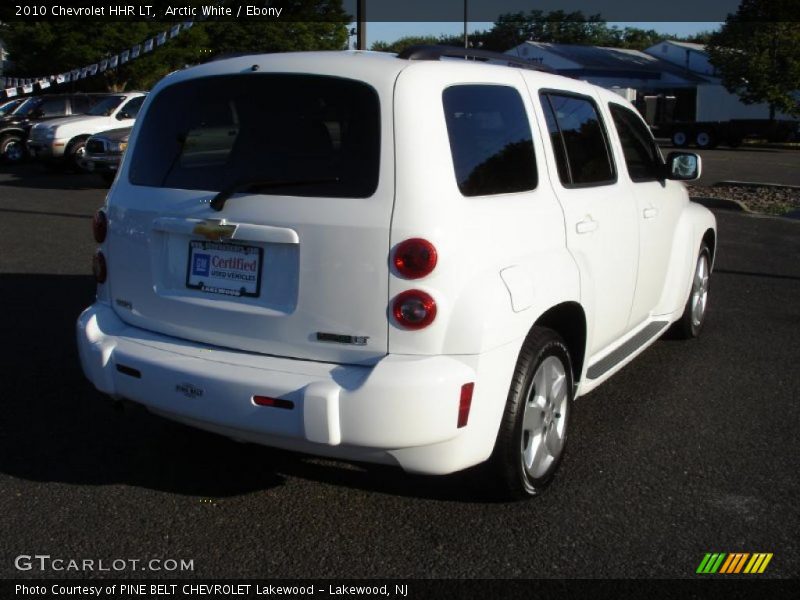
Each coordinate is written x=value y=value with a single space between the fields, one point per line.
x=228 y=269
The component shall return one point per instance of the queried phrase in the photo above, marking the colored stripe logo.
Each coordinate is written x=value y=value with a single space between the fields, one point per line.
x=734 y=563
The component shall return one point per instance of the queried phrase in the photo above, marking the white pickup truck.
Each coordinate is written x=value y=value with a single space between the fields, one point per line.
x=64 y=138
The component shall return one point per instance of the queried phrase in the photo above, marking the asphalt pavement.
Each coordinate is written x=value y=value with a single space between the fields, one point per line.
x=692 y=448
x=760 y=165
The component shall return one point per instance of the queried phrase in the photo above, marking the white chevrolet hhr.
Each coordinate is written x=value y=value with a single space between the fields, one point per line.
x=390 y=258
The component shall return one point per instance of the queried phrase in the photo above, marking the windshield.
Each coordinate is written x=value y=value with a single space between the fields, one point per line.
x=9 y=106
x=106 y=106
x=217 y=132
x=27 y=106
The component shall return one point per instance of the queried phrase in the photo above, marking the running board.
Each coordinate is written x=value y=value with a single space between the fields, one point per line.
x=607 y=363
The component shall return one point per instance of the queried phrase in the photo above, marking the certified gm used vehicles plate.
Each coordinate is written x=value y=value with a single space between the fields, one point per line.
x=408 y=259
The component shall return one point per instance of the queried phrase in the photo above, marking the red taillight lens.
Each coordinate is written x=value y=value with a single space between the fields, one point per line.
x=274 y=402
x=99 y=267
x=414 y=309
x=100 y=226
x=465 y=403
x=415 y=258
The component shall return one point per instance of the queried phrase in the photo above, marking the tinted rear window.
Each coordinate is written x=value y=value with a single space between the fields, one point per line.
x=218 y=132
x=490 y=139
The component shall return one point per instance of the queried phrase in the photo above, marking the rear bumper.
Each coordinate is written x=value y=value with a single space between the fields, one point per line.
x=403 y=410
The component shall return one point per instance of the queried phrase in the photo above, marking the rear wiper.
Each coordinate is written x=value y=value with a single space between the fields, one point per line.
x=218 y=202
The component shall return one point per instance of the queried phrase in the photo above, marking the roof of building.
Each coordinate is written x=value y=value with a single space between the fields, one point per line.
x=689 y=45
x=601 y=60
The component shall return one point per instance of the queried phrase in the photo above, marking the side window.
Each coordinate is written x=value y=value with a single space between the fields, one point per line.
x=641 y=153
x=80 y=105
x=53 y=107
x=131 y=109
x=490 y=139
x=579 y=140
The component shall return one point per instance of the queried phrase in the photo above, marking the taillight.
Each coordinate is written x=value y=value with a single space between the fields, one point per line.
x=273 y=402
x=99 y=267
x=100 y=226
x=414 y=258
x=414 y=309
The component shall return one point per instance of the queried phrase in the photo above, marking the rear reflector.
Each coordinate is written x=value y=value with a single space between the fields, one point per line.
x=99 y=267
x=129 y=371
x=465 y=404
x=100 y=226
x=273 y=402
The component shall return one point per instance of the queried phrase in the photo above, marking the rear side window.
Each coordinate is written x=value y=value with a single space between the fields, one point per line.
x=490 y=139
x=641 y=153
x=131 y=109
x=80 y=104
x=53 y=107
x=298 y=135
x=579 y=140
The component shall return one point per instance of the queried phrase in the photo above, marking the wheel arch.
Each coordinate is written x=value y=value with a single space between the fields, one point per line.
x=568 y=319
x=710 y=240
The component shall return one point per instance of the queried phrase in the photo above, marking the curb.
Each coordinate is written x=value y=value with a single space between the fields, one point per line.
x=720 y=203
x=731 y=182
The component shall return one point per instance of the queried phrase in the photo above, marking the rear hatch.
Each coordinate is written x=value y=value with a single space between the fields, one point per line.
x=295 y=262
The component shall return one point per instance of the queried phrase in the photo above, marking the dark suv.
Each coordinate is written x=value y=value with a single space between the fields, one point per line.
x=14 y=127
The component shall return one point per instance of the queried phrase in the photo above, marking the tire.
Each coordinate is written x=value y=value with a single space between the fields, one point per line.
x=694 y=313
x=12 y=149
x=525 y=458
x=705 y=139
x=74 y=154
x=680 y=139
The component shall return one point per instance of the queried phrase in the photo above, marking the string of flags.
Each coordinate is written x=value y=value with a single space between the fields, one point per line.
x=13 y=86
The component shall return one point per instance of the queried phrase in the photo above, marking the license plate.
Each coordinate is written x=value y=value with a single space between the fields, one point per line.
x=228 y=269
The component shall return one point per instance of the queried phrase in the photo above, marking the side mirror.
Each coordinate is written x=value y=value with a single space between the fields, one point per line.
x=682 y=166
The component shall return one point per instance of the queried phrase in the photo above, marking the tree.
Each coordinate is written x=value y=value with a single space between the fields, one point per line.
x=757 y=54
x=46 y=48
x=416 y=40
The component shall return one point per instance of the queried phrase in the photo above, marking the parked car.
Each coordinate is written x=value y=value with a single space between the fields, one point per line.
x=104 y=152
x=14 y=126
x=63 y=141
x=9 y=105
x=390 y=258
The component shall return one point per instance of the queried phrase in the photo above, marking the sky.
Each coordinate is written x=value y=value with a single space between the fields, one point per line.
x=389 y=32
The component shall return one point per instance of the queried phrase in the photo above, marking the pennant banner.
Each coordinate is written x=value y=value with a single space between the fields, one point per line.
x=10 y=87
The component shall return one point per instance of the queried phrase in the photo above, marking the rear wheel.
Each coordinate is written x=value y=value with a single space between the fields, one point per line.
x=533 y=433
x=694 y=313
x=705 y=139
x=12 y=148
x=680 y=139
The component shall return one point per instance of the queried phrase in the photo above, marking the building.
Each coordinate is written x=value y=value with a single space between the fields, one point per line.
x=671 y=80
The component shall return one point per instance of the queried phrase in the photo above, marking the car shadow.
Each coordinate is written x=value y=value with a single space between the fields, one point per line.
x=37 y=176
x=57 y=428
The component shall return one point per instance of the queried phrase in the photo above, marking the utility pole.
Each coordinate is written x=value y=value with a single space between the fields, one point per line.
x=361 y=25
x=466 y=38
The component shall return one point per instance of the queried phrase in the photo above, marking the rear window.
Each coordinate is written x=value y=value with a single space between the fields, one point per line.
x=216 y=133
x=490 y=139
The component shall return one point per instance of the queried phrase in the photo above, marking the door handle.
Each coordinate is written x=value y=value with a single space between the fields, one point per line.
x=650 y=212
x=586 y=226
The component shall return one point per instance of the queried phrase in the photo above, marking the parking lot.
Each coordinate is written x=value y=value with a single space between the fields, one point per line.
x=758 y=165
x=691 y=449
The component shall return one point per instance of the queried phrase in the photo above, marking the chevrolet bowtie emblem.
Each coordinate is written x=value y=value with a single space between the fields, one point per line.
x=214 y=230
